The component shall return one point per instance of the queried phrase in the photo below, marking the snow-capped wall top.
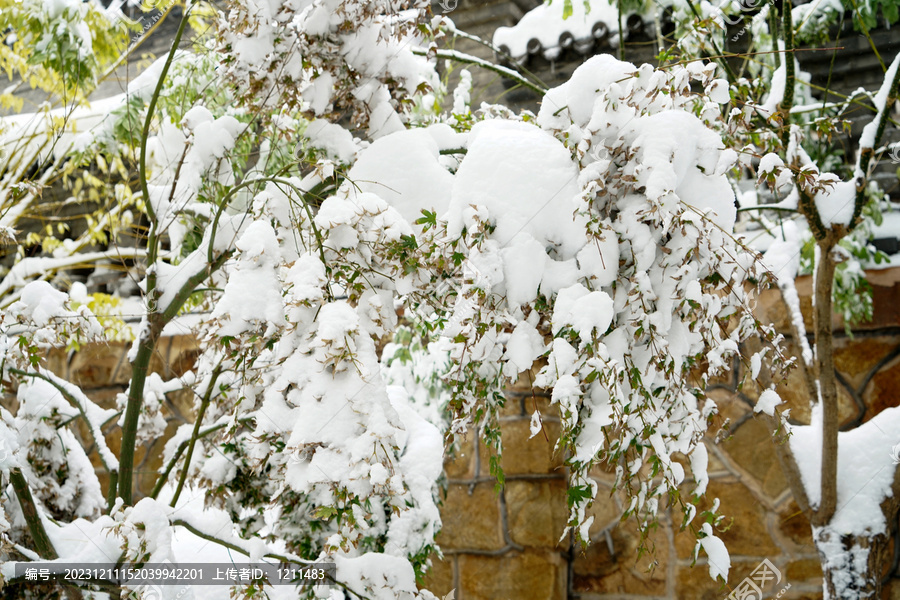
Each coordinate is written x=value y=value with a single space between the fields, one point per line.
x=545 y=30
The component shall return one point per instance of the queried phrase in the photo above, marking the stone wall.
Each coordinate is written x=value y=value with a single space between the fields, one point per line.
x=505 y=545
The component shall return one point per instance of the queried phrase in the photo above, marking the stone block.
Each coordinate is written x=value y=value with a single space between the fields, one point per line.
x=807 y=569
x=619 y=572
x=461 y=463
x=604 y=473
x=440 y=579
x=472 y=520
x=752 y=448
x=794 y=392
x=848 y=409
x=512 y=407
x=524 y=383
x=855 y=358
x=885 y=291
x=695 y=582
x=891 y=590
x=181 y=354
x=105 y=397
x=99 y=365
x=884 y=390
x=148 y=460
x=57 y=361
x=606 y=510
x=794 y=526
x=184 y=402
x=522 y=455
x=513 y=576
x=771 y=309
x=747 y=531
x=542 y=403
x=731 y=408
x=536 y=512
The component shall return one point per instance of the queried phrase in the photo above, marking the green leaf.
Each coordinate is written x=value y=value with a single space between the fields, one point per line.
x=325 y=512
x=577 y=493
x=429 y=220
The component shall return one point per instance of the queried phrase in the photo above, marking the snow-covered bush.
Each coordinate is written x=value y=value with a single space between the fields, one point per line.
x=306 y=214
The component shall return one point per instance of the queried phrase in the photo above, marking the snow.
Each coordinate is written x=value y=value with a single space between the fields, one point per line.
x=599 y=259
x=524 y=346
x=41 y=303
x=93 y=414
x=682 y=156
x=890 y=226
x=585 y=311
x=524 y=208
x=336 y=141
x=9 y=443
x=699 y=465
x=404 y=169
x=767 y=402
x=545 y=23
x=575 y=99
x=525 y=180
x=865 y=469
x=27 y=134
x=422 y=462
x=377 y=576
x=867 y=138
x=783 y=260
x=523 y=260
x=535 y=425
x=835 y=205
x=768 y=164
x=755 y=364
x=718 y=559
x=776 y=92
x=181 y=157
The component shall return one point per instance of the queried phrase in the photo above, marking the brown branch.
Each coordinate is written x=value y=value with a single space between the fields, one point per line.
x=824 y=360
x=787 y=101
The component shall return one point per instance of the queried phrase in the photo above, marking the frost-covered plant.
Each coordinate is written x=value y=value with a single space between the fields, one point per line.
x=821 y=220
x=293 y=205
x=611 y=264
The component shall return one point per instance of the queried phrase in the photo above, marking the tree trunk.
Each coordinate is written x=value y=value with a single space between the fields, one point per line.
x=855 y=566
x=852 y=565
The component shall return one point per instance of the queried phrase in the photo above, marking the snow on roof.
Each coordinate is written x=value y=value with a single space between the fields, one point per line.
x=31 y=134
x=544 y=30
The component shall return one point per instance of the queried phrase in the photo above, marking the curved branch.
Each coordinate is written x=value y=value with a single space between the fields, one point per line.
x=151 y=108
x=85 y=405
x=285 y=558
x=484 y=64
x=183 y=445
x=32 y=516
x=871 y=136
x=496 y=50
x=214 y=376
